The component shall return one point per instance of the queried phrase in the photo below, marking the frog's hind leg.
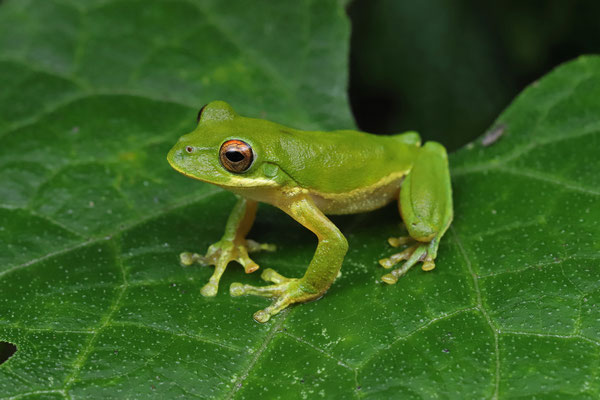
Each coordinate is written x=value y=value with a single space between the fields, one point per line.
x=426 y=206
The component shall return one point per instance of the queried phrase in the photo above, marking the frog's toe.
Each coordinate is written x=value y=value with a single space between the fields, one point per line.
x=284 y=292
x=236 y=289
x=390 y=279
x=209 y=290
x=243 y=258
x=280 y=304
x=253 y=246
x=187 y=258
x=280 y=285
x=240 y=289
x=400 y=241
x=295 y=292
x=261 y=316
x=394 y=259
x=220 y=254
x=288 y=292
x=412 y=255
x=428 y=265
x=270 y=275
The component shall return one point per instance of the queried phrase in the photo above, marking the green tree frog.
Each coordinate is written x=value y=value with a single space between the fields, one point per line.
x=308 y=175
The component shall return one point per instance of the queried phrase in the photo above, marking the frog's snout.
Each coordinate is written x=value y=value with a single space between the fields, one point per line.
x=175 y=156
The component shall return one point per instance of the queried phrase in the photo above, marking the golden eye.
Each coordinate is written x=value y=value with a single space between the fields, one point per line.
x=236 y=156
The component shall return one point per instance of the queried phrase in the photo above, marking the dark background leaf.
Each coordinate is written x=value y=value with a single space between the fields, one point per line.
x=92 y=220
x=447 y=68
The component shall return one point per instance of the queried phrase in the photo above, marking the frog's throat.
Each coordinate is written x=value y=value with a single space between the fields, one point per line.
x=232 y=181
x=245 y=182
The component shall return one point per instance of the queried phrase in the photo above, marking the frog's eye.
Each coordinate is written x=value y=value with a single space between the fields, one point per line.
x=200 y=113
x=236 y=156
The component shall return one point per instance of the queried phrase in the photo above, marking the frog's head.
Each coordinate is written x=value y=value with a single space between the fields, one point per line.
x=226 y=149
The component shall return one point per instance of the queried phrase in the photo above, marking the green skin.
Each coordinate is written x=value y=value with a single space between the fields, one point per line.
x=309 y=174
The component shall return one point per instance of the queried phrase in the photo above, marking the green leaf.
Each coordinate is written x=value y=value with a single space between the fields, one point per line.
x=92 y=220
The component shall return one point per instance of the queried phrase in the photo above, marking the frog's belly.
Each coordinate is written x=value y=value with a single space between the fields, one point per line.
x=358 y=200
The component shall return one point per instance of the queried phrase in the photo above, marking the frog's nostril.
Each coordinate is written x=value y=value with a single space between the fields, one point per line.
x=189 y=149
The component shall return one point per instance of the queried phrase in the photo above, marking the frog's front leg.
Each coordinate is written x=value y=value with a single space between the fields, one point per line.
x=322 y=270
x=426 y=208
x=233 y=246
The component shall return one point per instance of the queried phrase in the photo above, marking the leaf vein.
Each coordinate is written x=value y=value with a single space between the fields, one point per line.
x=261 y=349
x=483 y=311
x=146 y=218
x=84 y=354
x=201 y=339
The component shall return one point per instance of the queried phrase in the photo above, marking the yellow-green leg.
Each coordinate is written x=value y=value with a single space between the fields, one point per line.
x=425 y=204
x=322 y=270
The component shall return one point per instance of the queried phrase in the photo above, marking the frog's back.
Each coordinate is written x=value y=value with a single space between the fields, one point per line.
x=346 y=160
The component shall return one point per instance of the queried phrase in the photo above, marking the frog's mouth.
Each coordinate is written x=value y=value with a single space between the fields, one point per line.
x=182 y=172
x=224 y=179
x=247 y=182
x=179 y=169
x=172 y=157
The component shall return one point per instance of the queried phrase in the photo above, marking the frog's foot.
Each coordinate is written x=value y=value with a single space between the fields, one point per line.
x=400 y=241
x=285 y=291
x=420 y=252
x=220 y=254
